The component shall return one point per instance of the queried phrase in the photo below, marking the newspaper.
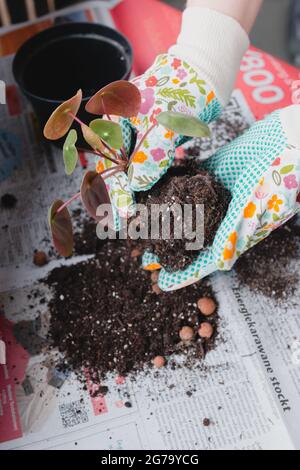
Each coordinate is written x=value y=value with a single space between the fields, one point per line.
x=248 y=387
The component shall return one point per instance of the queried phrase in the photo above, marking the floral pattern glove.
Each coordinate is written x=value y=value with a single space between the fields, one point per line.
x=171 y=84
x=262 y=170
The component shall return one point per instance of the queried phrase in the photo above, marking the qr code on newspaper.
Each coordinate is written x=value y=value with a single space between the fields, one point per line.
x=73 y=413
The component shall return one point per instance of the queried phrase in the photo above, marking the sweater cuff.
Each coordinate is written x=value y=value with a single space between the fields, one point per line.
x=215 y=44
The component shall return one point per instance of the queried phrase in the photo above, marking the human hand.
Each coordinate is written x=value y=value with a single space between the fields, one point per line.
x=195 y=78
x=261 y=169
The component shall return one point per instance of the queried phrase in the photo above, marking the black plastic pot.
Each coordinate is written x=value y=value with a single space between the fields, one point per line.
x=51 y=66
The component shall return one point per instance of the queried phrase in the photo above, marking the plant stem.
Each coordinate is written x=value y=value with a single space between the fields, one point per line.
x=108 y=147
x=114 y=172
x=76 y=118
x=118 y=168
x=123 y=152
x=102 y=155
x=66 y=204
x=99 y=154
x=143 y=140
x=116 y=158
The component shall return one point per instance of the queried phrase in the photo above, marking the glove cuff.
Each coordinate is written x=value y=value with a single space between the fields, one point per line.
x=215 y=44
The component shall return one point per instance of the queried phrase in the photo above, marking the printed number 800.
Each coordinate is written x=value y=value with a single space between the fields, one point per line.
x=262 y=80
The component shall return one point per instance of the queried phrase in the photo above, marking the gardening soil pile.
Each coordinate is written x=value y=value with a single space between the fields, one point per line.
x=265 y=268
x=108 y=316
x=183 y=185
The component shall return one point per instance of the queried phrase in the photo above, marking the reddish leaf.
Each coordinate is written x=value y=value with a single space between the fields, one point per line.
x=94 y=193
x=61 y=229
x=60 y=120
x=120 y=98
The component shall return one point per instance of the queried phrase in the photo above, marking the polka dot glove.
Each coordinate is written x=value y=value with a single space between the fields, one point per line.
x=262 y=171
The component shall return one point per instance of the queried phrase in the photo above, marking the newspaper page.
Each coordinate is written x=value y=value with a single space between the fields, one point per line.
x=248 y=386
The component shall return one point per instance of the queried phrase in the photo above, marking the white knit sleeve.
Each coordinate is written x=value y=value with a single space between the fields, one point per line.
x=215 y=44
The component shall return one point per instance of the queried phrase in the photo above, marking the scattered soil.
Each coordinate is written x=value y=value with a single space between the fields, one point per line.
x=86 y=241
x=265 y=268
x=105 y=317
x=8 y=201
x=185 y=184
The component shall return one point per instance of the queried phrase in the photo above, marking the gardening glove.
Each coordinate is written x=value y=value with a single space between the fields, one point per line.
x=196 y=78
x=261 y=169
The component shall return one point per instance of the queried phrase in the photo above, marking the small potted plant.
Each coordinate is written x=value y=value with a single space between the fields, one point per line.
x=105 y=139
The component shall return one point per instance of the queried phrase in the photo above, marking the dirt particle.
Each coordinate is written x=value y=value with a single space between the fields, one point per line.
x=8 y=201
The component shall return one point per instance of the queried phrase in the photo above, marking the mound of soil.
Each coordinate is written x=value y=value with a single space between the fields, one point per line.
x=185 y=184
x=106 y=316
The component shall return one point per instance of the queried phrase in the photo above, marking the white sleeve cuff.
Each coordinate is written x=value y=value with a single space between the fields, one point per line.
x=215 y=44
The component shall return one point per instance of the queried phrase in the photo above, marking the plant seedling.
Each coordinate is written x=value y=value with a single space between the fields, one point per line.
x=104 y=139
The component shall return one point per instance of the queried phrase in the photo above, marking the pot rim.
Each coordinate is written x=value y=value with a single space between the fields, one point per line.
x=120 y=39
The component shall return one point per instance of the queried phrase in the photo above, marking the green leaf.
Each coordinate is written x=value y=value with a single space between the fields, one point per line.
x=146 y=121
x=70 y=152
x=276 y=218
x=163 y=164
x=179 y=95
x=184 y=124
x=144 y=181
x=163 y=81
x=120 y=98
x=60 y=120
x=199 y=84
x=124 y=201
x=261 y=234
x=61 y=229
x=92 y=138
x=221 y=264
x=93 y=193
x=287 y=169
x=171 y=105
x=130 y=173
x=108 y=131
x=276 y=178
